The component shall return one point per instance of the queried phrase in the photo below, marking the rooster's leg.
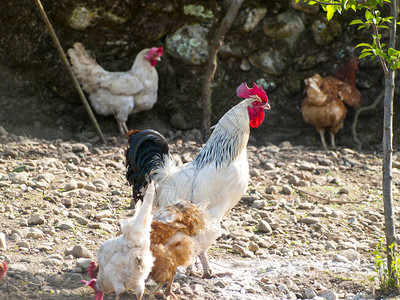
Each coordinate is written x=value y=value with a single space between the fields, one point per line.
x=207 y=272
x=332 y=139
x=322 y=135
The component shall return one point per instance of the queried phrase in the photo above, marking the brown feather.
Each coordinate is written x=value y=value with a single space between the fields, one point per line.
x=132 y=132
x=178 y=251
x=346 y=92
x=348 y=72
x=172 y=242
x=323 y=98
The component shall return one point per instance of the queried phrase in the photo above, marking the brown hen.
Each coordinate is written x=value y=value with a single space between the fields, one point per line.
x=172 y=242
x=324 y=99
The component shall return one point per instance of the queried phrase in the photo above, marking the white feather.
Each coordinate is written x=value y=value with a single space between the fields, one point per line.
x=116 y=93
x=125 y=261
x=217 y=176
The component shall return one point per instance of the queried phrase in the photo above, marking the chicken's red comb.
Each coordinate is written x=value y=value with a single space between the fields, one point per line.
x=158 y=50
x=243 y=91
x=91 y=269
x=3 y=270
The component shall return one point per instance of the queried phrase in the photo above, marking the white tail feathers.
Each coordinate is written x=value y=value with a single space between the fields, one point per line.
x=139 y=225
x=78 y=53
x=168 y=167
x=148 y=199
x=85 y=67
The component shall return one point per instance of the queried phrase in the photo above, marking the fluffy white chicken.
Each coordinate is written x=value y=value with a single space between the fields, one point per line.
x=118 y=93
x=126 y=261
x=219 y=174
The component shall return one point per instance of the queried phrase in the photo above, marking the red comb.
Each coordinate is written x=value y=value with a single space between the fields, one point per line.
x=160 y=50
x=91 y=270
x=154 y=55
x=243 y=91
x=153 y=50
x=3 y=270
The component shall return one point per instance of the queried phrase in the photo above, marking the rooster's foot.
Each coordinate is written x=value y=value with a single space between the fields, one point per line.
x=209 y=275
x=160 y=295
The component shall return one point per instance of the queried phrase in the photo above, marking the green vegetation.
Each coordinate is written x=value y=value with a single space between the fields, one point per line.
x=387 y=284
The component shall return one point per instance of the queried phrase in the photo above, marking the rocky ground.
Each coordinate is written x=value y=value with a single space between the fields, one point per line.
x=305 y=229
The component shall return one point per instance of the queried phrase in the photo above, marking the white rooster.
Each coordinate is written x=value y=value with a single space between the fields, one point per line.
x=219 y=174
x=118 y=93
x=125 y=261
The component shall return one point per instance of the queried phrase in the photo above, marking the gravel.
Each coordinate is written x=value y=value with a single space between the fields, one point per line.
x=304 y=230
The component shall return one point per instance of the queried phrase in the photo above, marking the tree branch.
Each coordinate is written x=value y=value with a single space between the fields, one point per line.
x=325 y=199
x=357 y=114
x=212 y=63
x=337 y=3
x=378 y=43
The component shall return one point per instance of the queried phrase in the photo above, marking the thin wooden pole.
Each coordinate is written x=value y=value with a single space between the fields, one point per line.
x=70 y=71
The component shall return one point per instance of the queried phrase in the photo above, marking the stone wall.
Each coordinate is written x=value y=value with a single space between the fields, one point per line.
x=276 y=44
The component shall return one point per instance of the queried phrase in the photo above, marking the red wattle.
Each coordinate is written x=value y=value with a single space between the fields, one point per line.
x=256 y=116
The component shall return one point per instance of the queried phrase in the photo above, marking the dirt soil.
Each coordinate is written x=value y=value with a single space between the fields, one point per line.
x=305 y=228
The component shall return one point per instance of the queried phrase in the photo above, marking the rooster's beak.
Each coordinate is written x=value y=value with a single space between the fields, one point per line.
x=266 y=106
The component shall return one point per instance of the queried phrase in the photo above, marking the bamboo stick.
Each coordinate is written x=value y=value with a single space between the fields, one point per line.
x=70 y=71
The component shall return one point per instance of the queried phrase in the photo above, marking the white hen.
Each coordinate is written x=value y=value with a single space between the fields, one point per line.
x=126 y=261
x=118 y=93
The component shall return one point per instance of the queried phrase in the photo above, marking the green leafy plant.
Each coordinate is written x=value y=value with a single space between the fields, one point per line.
x=387 y=284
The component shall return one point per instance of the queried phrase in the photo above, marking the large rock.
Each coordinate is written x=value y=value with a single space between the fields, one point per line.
x=252 y=17
x=18 y=178
x=80 y=251
x=325 y=31
x=272 y=62
x=189 y=44
x=36 y=219
x=284 y=25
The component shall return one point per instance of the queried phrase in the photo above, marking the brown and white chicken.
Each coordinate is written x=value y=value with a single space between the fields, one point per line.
x=172 y=240
x=125 y=261
x=324 y=100
x=118 y=93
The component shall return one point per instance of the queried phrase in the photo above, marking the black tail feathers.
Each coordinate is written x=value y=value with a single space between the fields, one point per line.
x=145 y=153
